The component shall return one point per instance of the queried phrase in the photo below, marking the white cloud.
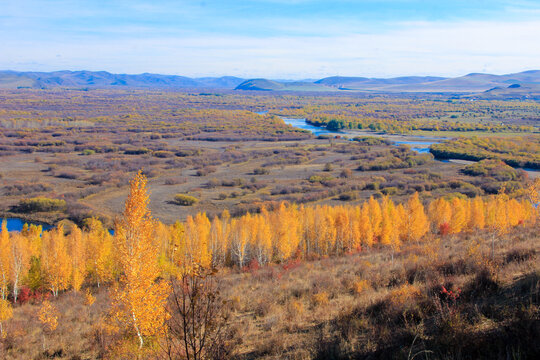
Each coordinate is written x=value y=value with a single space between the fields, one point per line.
x=413 y=49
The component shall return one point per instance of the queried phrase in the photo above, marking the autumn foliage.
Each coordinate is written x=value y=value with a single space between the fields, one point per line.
x=144 y=257
x=143 y=249
x=139 y=300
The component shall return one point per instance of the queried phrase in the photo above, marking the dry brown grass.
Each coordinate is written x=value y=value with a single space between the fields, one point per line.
x=355 y=306
x=362 y=305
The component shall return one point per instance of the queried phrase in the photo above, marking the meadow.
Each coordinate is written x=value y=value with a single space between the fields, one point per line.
x=83 y=146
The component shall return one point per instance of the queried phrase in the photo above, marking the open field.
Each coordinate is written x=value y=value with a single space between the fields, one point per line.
x=243 y=178
x=82 y=146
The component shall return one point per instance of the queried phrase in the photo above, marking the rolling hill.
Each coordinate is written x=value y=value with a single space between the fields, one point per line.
x=362 y=82
x=483 y=85
x=271 y=85
x=473 y=83
x=514 y=91
x=103 y=79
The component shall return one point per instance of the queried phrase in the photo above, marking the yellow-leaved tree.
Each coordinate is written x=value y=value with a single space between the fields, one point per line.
x=19 y=261
x=139 y=300
x=102 y=260
x=416 y=223
x=76 y=242
x=5 y=260
x=56 y=260
x=6 y=313
x=48 y=317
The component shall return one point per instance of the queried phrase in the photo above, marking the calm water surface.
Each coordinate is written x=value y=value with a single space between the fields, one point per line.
x=14 y=224
x=418 y=146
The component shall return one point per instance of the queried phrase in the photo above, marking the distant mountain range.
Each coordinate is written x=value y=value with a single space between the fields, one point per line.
x=471 y=83
x=521 y=84
x=103 y=79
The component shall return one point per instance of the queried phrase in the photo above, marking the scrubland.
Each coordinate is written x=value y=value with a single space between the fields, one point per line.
x=271 y=243
x=82 y=146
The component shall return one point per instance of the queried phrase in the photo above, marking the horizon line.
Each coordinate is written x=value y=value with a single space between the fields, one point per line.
x=265 y=78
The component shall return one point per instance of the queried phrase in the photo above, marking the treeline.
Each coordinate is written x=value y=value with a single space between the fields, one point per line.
x=56 y=261
x=516 y=152
x=402 y=115
x=351 y=122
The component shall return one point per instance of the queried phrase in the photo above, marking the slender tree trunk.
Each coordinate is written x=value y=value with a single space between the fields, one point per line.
x=16 y=288
x=493 y=247
x=139 y=335
x=4 y=287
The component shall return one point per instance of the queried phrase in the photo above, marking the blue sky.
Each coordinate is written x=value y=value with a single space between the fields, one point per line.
x=272 y=38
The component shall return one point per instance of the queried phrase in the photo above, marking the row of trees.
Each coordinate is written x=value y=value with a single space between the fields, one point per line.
x=57 y=262
x=515 y=151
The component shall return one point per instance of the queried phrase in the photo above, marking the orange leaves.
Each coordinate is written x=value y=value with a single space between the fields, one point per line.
x=57 y=260
x=287 y=227
x=404 y=294
x=5 y=260
x=89 y=299
x=19 y=261
x=320 y=299
x=360 y=286
x=6 y=313
x=78 y=259
x=416 y=224
x=139 y=301
x=48 y=316
x=477 y=218
x=198 y=239
x=440 y=213
x=458 y=220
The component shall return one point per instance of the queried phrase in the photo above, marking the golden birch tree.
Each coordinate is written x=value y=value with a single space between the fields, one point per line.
x=19 y=261
x=139 y=301
x=56 y=260
x=5 y=260
x=417 y=224
x=6 y=313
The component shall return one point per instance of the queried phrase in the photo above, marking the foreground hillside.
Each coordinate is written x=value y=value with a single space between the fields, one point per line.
x=448 y=299
x=444 y=299
x=382 y=280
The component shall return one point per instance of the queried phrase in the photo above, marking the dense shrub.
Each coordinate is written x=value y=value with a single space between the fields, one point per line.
x=205 y=171
x=516 y=152
x=25 y=188
x=185 y=200
x=139 y=151
x=261 y=171
x=41 y=204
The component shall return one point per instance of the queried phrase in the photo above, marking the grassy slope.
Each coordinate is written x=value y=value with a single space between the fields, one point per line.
x=358 y=306
x=375 y=307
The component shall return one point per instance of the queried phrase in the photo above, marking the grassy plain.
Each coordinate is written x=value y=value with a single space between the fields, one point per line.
x=82 y=146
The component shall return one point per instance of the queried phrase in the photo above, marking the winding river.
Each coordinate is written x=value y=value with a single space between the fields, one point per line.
x=417 y=143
